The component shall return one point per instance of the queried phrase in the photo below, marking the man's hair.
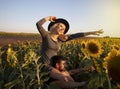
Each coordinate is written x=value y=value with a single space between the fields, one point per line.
x=56 y=59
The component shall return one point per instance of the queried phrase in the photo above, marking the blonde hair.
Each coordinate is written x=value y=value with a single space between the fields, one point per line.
x=52 y=28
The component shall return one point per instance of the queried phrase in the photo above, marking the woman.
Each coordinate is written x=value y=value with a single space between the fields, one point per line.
x=54 y=37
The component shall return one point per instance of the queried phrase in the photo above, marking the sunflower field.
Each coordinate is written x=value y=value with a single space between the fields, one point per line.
x=19 y=67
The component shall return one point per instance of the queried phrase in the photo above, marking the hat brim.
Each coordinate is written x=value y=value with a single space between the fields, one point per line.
x=60 y=20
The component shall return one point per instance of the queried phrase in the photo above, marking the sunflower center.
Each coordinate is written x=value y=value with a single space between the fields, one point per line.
x=83 y=45
x=93 y=48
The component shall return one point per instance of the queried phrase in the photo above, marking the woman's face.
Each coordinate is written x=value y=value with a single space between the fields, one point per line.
x=58 y=28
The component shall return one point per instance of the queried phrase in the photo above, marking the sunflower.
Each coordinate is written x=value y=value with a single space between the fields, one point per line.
x=83 y=45
x=116 y=47
x=11 y=57
x=93 y=48
x=84 y=50
x=112 y=62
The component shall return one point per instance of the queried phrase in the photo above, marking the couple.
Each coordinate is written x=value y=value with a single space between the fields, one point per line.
x=52 y=40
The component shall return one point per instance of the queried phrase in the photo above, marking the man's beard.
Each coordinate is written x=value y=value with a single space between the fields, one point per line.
x=61 y=70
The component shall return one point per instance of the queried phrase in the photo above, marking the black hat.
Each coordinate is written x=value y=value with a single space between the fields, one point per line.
x=59 y=20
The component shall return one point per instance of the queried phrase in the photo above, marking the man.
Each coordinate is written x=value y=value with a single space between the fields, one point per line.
x=59 y=63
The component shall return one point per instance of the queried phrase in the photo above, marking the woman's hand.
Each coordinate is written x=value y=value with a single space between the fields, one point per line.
x=63 y=37
x=50 y=18
x=98 y=32
x=42 y=21
x=94 y=32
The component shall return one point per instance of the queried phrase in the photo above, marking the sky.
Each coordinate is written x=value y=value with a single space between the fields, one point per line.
x=82 y=15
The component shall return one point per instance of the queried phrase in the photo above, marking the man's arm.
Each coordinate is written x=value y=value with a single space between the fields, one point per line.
x=55 y=74
x=70 y=85
x=74 y=71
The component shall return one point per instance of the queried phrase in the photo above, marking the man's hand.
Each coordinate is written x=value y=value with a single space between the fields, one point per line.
x=90 y=69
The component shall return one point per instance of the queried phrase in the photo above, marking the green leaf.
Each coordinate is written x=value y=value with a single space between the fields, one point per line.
x=11 y=84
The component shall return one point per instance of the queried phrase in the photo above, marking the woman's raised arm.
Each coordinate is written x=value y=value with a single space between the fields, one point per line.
x=41 y=22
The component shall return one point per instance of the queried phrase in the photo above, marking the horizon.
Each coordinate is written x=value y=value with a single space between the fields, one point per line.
x=39 y=34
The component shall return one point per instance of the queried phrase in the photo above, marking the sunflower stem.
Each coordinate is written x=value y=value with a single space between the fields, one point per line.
x=108 y=79
x=100 y=80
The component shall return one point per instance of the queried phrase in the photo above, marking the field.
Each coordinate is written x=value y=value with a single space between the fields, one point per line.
x=19 y=67
x=11 y=38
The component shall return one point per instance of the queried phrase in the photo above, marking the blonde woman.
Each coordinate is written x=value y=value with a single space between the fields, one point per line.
x=53 y=38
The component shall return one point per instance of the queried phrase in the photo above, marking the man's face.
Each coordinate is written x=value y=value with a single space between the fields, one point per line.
x=62 y=65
